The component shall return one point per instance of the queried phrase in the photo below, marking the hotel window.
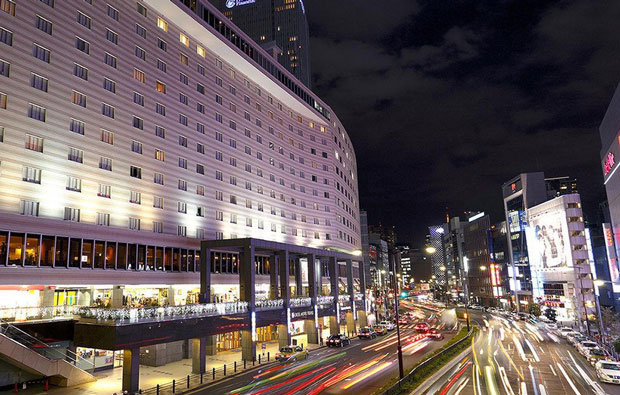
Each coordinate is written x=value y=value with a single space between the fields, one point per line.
x=183 y=141
x=105 y=163
x=261 y=224
x=74 y=184
x=219 y=176
x=218 y=136
x=76 y=126
x=233 y=218
x=184 y=59
x=138 y=123
x=107 y=110
x=39 y=52
x=218 y=81
x=103 y=219
x=31 y=174
x=232 y=90
x=182 y=207
x=136 y=147
x=200 y=69
x=111 y=36
x=159 y=155
x=135 y=197
x=139 y=75
x=233 y=162
x=218 y=155
x=34 y=111
x=161 y=44
x=138 y=99
x=83 y=20
x=142 y=10
x=109 y=60
x=112 y=12
x=160 y=86
x=182 y=119
x=5 y=68
x=248 y=222
x=38 y=82
x=218 y=117
x=158 y=202
x=82 y=45
x=200 y=169
x=219 y=195
x=80 y=71
x=182 y=230
x=6 y=36
x=201 y=51
x=219 y=216
x=8 y=6
x=140 y=53
x=76 y=155
x=183 y=99
x=78 y=98
x=163 y=25
x=233 y=125
x=160 y=109
x=248 y=203
x=29 y=208
x=72 y=214
x=182 y=185
x=218 y=64
x=134 y=223
x=161 y=65
x=200 y=107
x=184 y=39
x=218 y=99
x=135 y=172
x=140 y=31
x=109 y=85
x=246 y=99
x=160 y=132
x=233 y=180
x=200 y=233
x=158 y=227
x=183 y=163
x=34 y=143
x=200 y=88
x=107 y=136
x=158 y=178
x=104 y=191
x=44 y=25
x=183 y=78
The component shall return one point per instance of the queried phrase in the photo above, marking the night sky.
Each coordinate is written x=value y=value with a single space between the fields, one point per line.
x=446 y=100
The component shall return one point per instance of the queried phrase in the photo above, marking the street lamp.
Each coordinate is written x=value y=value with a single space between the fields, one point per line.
x=430 y=250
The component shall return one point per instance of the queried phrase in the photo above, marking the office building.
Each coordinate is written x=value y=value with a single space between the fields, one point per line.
x=279 y=22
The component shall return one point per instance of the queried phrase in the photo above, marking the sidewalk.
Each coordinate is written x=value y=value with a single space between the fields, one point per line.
x=110 y=381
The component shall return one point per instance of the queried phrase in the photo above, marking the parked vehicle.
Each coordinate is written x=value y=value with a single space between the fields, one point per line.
x=565 y=331
x=584 y=346
x=596 y=354
x=422 y=327
x=388 y=325
x=552 y=326
x=608 y=371
x=380 y=330
x=338 y=340
x=574 y=338
x=435 y=334
x=367 y=333
x=292 y=353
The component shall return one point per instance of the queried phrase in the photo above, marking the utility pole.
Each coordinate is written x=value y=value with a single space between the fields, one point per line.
x=401 y=373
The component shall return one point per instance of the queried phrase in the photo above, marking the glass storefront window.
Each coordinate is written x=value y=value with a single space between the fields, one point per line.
x=168 y=259
x=16 y=247
x=150 y=258
x=176 y=260
x=121 y=259
x=33 y=246
x=159 y=258
x=47 y=251
x=132 y=256
x=87 y=253
x=4 y=246
x=183 y=260
x=190 y=263
x=141 y=257
x=62 y=249
x=99 y=254
x=110 y=255
x=75 y=255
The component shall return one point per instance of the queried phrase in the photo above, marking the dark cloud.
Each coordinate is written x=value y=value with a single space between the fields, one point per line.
x=444 y=101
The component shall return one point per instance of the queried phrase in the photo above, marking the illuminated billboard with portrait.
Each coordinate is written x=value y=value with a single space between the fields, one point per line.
x=548 y=241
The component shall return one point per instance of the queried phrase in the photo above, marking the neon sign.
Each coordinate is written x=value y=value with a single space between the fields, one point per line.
x=233 y=3
x=610 y=161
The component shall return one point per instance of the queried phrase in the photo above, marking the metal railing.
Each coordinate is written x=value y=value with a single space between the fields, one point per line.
x=396 y=388
x=15 y=314
x=194 y=380
x=52 y=353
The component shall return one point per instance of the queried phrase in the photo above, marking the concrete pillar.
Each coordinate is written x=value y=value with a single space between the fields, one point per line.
x=362 y=319
x=199 y=355
x=205 y=274
x=283 y=267
x=85 y=296
x=273 y=278
x=211 y=345
x=351 y=323
x=363 y=285
x=47 y=297
x=131 y=370
x=248 y=346
x=171 y=292
x=312 y=332
x=284 y=337
x=247 y=271
x=117 y=296
x=299 y=287
x=334 y=327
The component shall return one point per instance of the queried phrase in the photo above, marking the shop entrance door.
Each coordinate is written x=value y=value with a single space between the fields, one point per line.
x=65 y=297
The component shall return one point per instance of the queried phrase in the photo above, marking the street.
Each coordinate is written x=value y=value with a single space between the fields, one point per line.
x=514 y=357
x=364 y=366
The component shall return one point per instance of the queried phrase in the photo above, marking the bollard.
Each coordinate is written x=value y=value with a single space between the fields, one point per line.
x=259 y=359
x=16 y=390
x=174 y=384
x=235 y=367
x=267 y=356
x=47 y=385
x=200 y=378
x=253 y=360
x=188 y=381
x=224 y=369
x=213 y=373
x=243 y=369
x=157 y=389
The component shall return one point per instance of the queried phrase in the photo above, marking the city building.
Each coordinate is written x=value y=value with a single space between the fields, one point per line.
x=498 y=251
x=557 y=186
x=453 y=250
x=435 y=250
x=282 y=22
x=132 y=131
x=481 y=270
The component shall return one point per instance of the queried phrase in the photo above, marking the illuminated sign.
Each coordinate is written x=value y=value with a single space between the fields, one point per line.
x=495 y=275
x=303 y=9
x=234 y=3
x=610 y=161
x=612 y=260
x=513 y=187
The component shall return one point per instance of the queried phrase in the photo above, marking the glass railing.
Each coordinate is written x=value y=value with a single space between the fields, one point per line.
x=269 y=304
x=17 y=314
x=300 y=302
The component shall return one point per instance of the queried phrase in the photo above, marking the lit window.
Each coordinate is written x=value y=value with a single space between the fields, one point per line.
x=163 y=25
x=184 y=39
x=161 y=87
x=201 y=51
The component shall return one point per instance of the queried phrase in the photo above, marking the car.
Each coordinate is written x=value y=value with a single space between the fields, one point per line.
x=585 y=346
x=596 y=354
x=366 y=333
x=380 y=330
x=552 y=326
x=435 y=334
x=575 y=338
x=338 y=340
x=608 y=371
x=422 y=327
x=388 y=325
x=402 y=321
x=565 y=331
x=292 y=353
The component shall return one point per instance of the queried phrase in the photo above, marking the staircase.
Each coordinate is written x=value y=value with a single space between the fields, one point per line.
x=30 y=354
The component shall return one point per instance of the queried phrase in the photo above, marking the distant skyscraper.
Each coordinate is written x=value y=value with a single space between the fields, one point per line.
x=282 y=21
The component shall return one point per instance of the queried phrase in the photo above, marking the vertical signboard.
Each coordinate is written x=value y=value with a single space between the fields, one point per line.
x=612 y=259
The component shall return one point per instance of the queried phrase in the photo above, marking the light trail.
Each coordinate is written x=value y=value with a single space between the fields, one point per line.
x=460 y=388
x=454 y=379
x=511 y=361
x=534 y=353
x=570 y=382
x=367 y=374
x=491 y=385
x=276 y=386
x=543 y=391
x=553 y=370
x=533 y=378
x=308 y=382
x=518 y=347
x=473 y=351
x=266 y=372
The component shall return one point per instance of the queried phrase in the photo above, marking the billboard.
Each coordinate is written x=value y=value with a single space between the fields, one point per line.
x=548 y=241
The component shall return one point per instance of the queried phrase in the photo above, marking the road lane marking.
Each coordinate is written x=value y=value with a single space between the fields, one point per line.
x=553 y=370
x=460 y=388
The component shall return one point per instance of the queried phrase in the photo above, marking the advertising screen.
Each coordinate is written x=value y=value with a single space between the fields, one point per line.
x=548 y=241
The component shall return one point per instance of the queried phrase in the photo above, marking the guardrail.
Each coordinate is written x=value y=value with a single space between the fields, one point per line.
x=16 y=314
x=396 y=388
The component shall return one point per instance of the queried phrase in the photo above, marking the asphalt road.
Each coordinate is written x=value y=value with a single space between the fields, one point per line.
x=363 y=366
x=518 y=358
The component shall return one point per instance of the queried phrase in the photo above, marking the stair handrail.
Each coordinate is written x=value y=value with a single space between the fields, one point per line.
x=73 y=357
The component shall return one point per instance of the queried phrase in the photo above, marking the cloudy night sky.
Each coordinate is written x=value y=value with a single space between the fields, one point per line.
x=446 y=100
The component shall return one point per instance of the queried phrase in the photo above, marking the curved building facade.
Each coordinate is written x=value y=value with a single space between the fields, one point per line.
x=129 y=131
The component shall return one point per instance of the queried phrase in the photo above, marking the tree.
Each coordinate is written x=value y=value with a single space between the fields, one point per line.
x=611 y=322
x=550 y=314
x=535 y=309
x=617 y=345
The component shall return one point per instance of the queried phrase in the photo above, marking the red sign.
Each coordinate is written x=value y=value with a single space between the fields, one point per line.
x=609 y=240
x=610 y=161
x=513 y=186
x=495 y=275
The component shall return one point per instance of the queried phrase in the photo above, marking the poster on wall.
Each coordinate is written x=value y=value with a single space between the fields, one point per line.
x=548 y=241
x=611 y=254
